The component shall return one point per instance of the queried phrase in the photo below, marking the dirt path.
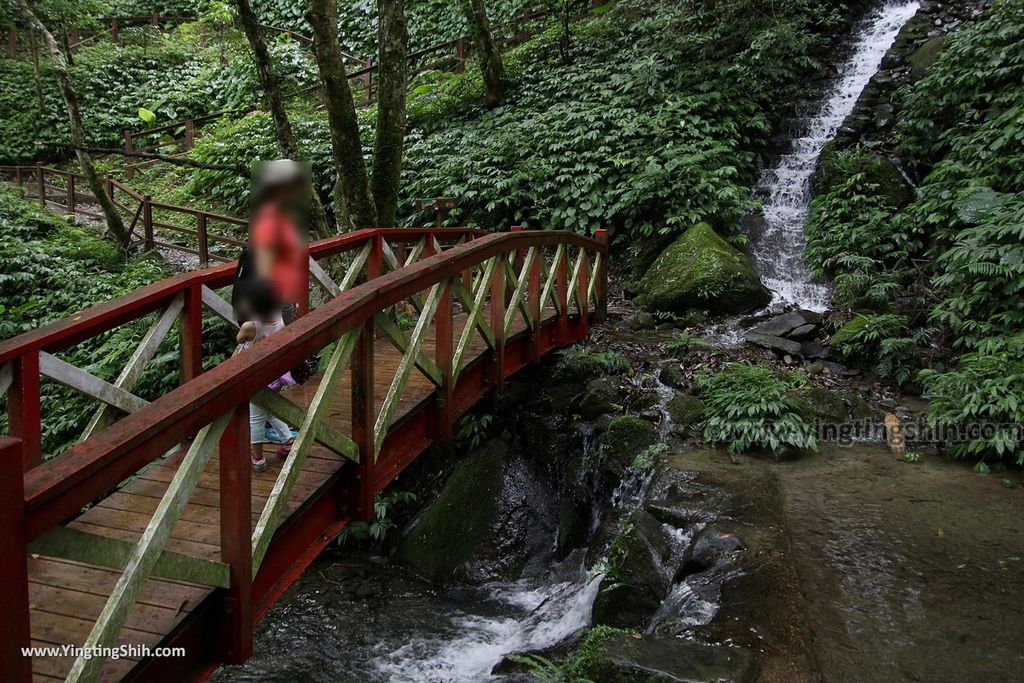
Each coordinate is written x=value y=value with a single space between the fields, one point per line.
x=864 y=568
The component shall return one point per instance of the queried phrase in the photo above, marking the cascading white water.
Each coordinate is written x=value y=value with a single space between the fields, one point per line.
x=785 y=188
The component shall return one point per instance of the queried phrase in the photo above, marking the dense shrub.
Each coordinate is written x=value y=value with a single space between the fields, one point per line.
x=749 y=406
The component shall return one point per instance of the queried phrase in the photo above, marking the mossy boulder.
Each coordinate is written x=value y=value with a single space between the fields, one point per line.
x=816 y=403
x=700 y=270
x=617 y=656
x=625 y=438
x=600 y=396
x=636 y=581
x=685 y=412
x=447 y=535
x=925 y=56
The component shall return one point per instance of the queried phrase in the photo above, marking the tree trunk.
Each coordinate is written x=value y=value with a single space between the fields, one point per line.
x=275 y=100
x=67 y=90
x=393 y=84
x=33 y=47
x=491 y=66
x=353 y=198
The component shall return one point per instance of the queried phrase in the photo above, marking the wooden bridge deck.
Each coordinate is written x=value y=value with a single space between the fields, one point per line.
x=67 y=597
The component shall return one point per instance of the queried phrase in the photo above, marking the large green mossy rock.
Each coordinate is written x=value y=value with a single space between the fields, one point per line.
x=625 y=438
x=636 y=580
x=816 y=403
x=459 y=521
x=700 y=270
x=611 y=656
x=924 y=57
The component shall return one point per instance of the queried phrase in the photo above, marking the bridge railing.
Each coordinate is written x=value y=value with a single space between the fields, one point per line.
x=516 y=296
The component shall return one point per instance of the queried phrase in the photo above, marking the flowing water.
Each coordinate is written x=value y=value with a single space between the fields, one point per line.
x=784 y=189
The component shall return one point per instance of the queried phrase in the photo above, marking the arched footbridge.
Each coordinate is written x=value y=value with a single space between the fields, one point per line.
x=152 y=531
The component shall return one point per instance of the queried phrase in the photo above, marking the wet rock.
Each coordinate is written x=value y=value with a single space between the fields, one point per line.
x=813 y=349
x=625 y=438
x=925 y=56
x=701 y=270
x=459 y=520
x=671 y=375
x=803 y=333
x=816 y=403
x=561 y=396
x=641 y=320
x=711 y=546
x=636 y=581
x=685 y=412
x=778 y=344
x=630 y=658
x=781 y=325
x=600 y=396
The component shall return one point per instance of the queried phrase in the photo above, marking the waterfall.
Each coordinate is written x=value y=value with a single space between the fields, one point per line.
x=784 y=189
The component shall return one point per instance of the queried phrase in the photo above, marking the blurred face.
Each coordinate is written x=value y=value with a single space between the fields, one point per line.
x=286 y=196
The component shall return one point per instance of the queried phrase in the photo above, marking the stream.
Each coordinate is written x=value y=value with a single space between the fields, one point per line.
x=353 y=618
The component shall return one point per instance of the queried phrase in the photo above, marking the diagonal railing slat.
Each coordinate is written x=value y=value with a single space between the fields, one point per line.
x=475 y=317
x=70 y=376
x=517 y=304
x=149 y=549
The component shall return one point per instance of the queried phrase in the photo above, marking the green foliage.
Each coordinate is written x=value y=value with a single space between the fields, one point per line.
x=647 y=459
x=49 y=270
x=684 y=343
x=473 y=430
x=747 y=406
x=582 y=363
x=883 y=342
x=382 y=523
x=985 y=391
x=911 y=457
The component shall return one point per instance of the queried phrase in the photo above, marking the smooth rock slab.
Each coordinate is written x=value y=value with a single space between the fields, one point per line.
x=774 y=343
x=625 y=657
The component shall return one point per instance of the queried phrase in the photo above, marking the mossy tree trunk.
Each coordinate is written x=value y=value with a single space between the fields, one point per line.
x=60 y=71
x=353 y=197
x=491 y=66
x=33 y=47
x=275 y=100
x=391 y=94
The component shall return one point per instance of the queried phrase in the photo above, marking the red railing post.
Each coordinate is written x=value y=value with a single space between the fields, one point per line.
x=192 y=334
x=533 y=304
x=147 y=221
x=203 y=242
x=15 y=631
x=601 y=284
x=443 y=358
x=236 y=535
x=562 y=292
x=41 y=183
x=302 y=305
x=498 y=322
x=23 y=407
x=520 y=253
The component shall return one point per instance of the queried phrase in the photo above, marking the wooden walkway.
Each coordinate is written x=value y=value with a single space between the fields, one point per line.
x=67 y=597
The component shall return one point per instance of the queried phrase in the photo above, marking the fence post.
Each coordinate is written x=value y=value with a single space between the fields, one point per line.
x=12 y=44
x=155 y=19
x=24 y=415
x=108 y=183
x=498 y=322
x=368 y=80
x=204 y=245
x=147 y=221
x=17 y=176
x=71 y=193
x=601 y=285
x=236 y=535
x=460 y=55
x=15 y=632
x=189 y=133
x=74 y=39
x=443 y=358
x=581 y=291
x=128 y=149
x=41 y=183
x=115 y=32
x=533 y=304
x=192 y=334
x=364 y=402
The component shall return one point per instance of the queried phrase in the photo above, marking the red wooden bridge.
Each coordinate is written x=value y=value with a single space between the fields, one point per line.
x=153 y=531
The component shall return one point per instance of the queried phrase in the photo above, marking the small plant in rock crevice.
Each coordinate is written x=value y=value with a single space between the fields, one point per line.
x=377 y=529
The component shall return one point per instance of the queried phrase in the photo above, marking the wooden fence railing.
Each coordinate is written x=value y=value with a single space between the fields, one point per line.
x=522 y=293
x=77 y=37
x=151 y=223
x=179 y=137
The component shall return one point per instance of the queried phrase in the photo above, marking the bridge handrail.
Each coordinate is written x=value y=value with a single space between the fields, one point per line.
x=61 y=486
